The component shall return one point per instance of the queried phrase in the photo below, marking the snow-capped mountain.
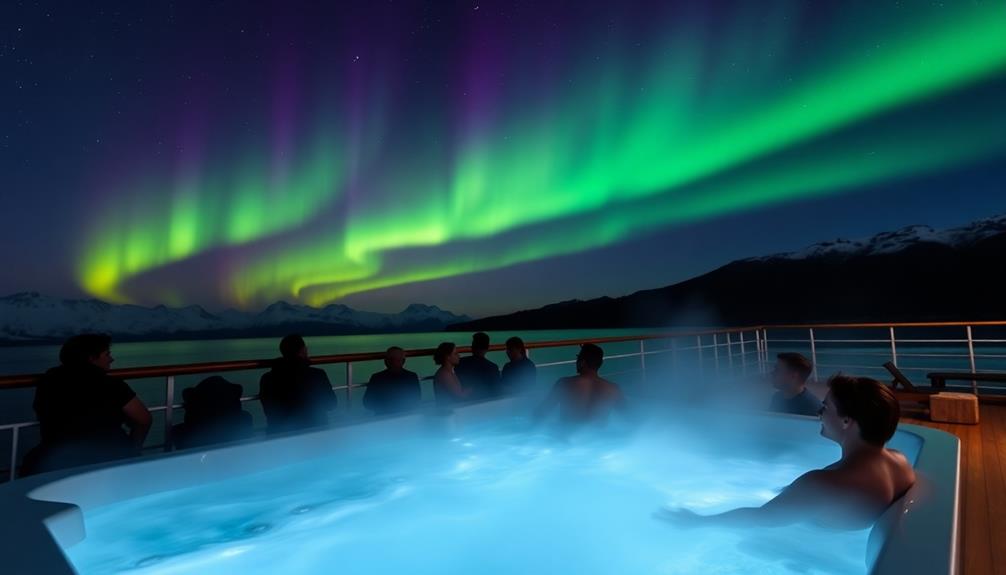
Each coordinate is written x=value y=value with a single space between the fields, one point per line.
x=32 y=317
x=893 y=242
x=912 y=274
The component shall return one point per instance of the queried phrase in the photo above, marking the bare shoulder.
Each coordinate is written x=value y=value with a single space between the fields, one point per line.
x=610 y=386
x=902 y=466
x=897 y=456
x=566 y=381
x=816 y=479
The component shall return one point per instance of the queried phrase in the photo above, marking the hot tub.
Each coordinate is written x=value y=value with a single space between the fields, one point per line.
x=474 y=490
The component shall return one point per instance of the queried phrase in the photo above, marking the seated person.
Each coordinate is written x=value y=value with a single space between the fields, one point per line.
x=446 y=385
x=213 y=414
x=82 y=410
x=520 y=372
x=295 y=395
x=478 y=374
x=393 y=390
x=790 y=378
x=861 y=415
x=585 y=397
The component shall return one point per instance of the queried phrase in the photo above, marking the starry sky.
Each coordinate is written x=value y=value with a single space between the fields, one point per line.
x=480 y=156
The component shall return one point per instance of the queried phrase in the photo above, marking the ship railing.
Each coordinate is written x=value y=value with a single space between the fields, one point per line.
x=730 y=353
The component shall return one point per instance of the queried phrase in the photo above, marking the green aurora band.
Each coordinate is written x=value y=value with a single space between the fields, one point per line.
x=609 y=155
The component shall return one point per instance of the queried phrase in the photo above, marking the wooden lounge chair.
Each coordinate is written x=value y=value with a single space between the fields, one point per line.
x=909 y=391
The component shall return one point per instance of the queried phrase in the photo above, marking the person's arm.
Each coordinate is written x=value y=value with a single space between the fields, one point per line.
x=138 y=419
x=326 y=393
x=266 y=399
x=799 y=501
x=415 y=392
x=370 y=394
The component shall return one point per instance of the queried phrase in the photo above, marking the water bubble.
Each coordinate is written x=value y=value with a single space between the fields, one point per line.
x=257 y=528
x=302 y=509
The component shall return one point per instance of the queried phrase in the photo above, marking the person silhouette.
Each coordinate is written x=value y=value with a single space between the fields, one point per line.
x=446 y=385
x=294 y=395
x=395 y=389
x=477 y=373
x=860 y=414
x=520 y=373
x=82 y=410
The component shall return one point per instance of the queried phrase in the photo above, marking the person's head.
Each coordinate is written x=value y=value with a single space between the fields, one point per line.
x=791 y=372
x=515 y=349
x=87 y=348
x=859 y=407
x=590 y=358
x=480 y=343
x=292 y=347
x=394 y=358
x=446 y=354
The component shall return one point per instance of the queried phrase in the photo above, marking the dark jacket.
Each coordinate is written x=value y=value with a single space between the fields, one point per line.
x=520 y=375
x=213 y=414
x=480 y=375
x=79 y=409
x=295 y=396
x=389 y=392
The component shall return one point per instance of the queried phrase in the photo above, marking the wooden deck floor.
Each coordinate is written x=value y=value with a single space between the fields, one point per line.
x=983 y=490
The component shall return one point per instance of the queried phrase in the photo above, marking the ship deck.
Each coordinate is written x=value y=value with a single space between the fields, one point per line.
x=982 y=528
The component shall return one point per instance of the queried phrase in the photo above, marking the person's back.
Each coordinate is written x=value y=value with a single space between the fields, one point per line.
x=82 y=403
x=295 y=396
x=520 y=373
x=870 y=481
x=585 y=399
x=213 y=414
x=476 y=373
x=391 y=392
x=82 y=410
x=480 y=375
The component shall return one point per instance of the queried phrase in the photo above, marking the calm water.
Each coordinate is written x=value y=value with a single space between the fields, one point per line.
x=493 y=500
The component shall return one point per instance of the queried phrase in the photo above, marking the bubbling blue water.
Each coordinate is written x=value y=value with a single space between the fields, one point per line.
x=500 y=498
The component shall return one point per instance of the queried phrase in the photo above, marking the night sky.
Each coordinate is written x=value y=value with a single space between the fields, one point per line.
x=480 y=156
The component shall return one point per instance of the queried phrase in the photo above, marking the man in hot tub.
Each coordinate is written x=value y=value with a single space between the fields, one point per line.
x=861 y=415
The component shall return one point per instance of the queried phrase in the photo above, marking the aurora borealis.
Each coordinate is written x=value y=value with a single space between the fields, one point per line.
x=313 y=154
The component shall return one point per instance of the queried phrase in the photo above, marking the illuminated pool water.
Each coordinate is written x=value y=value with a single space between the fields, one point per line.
x=496 y=498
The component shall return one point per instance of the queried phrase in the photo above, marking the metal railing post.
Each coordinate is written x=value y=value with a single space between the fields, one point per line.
x=13 y=451
x=730 y=353
x=764 y=348
x=716 y=353
x=894 y=348
x=698 y=347
x=813 y=351
x=349 y=384
x=169 y=406
x=744 y=359
x=971 y=359
x=642 y=358
x=758 y=352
